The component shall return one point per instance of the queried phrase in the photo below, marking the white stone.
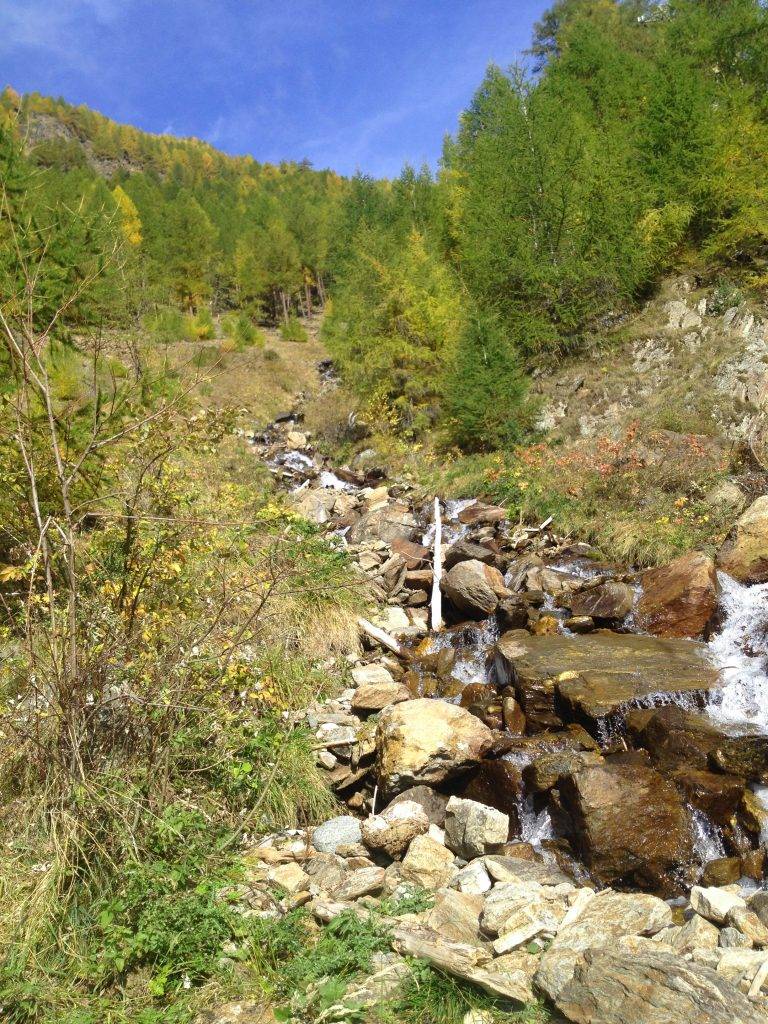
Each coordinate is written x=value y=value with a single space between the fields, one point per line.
x=713 y=903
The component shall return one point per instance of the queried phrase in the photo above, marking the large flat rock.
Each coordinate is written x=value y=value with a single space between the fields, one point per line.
x=590 y=678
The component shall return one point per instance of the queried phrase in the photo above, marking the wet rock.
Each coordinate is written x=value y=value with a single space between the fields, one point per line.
x=336 y=832
x=603 y=800
x=615 y=987
x=592 y=677
x=753 y=864
x=513 y=715
x=715 y=904
x=679 y=599
x=428 y=864
x=512 y=613
x=391 y=831
x=744 y=555
x=432 y=803
x=580 y=624
x=473 y=829
x=473 y=588
x=549 y=770
x=427 y=741
x=719 y=796
x=677 y=738
x=465 y=551
x=608 y=602
x=721 y=871
x=496 y=784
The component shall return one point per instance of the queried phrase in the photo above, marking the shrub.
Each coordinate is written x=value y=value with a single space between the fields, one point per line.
x=165 y=326
x=240 y=329
x=293 y=330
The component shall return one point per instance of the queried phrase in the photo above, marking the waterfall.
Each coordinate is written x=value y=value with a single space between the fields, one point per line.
x=707 y=841
x=535 y=828
x=740 y=650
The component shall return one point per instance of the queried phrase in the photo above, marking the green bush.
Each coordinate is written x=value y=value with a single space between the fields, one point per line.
x=201 y=326
x=242 y=331
x=293 y=330
x=165 y=326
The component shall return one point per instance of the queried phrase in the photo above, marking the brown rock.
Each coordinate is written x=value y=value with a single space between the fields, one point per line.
x=744 y=555
x=512 y=613
x=391 y=831
x=592 y=677
x=549 y=770
x=717 y=795
x=375 y=696
x=679 y=599
x=630 y=826
x=676 y=738
x=477 y=513
x=753 y=864
x=497 y=784
x=609 y=602
x=473 y=588
x=514 y=717
x=722 y=871
x=427 y=741
x=415 y=555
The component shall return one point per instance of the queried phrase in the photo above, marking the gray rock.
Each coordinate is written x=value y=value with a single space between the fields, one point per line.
x=613 y=987
x=473 y=829
x=732 y=938
x=336 y=832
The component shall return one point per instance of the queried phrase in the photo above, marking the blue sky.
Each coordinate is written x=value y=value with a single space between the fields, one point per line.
x=349 y=84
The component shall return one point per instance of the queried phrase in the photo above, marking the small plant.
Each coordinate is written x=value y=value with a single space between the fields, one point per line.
x=725 y=296
x=271 y=356
x=241 y=330
x=165 y=326
x=293 y=330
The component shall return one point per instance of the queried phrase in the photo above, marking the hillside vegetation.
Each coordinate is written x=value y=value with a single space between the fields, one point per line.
x=527 y=323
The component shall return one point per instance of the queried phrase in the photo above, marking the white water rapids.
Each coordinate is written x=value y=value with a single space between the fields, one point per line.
x=740 y=651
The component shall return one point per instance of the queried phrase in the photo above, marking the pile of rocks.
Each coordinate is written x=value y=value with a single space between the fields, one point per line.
x=502 y=918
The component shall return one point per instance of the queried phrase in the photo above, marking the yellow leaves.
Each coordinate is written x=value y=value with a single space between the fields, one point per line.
x=12 y=573
x=130 y=222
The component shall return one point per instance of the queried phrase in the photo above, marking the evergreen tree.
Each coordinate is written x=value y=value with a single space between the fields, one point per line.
x=189 y=246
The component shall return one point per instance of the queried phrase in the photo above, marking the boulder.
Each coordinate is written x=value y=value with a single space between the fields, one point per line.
x=365 y=881
x=595 y=921
x=427 y=741
x=715 y=904
x=549 y=770
x=428 y=864
x=651 y=851
x=391 y=522
x=473 y=588
x=679 y=599
x=696 y=933
x=676 y=739
x=473 y=829
x=718 y=795
x=749 y=924
x=335 y=832
x=744 y=555
x=465 y=551
x=590 y=678
x=416 y=556
x=721 y=871
x=478 y=514
x=432 y=802
x=608 y=602
x=391 y=831
x=611 y=986
x=495 y=783
x=315 y=505
x=376 y=688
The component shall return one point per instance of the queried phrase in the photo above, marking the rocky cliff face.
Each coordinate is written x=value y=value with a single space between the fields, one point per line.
x=40 y=127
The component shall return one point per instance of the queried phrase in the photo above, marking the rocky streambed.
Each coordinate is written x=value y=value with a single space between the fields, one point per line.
x=576 y=765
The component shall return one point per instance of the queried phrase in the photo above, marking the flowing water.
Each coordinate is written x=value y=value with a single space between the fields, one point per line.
x=707 y=840
x=740 y=650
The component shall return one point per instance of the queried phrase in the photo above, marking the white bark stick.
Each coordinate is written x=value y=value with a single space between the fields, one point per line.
x=437 y=572
x=378 y=634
